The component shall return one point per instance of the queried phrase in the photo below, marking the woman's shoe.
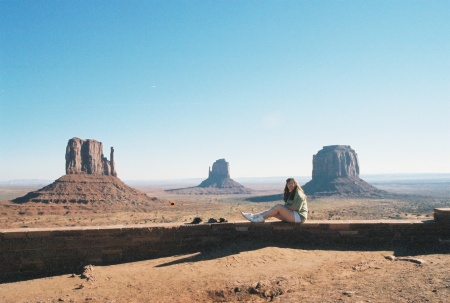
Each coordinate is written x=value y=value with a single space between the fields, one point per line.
x=253 y=218
x=246 y=215
x=257 y=219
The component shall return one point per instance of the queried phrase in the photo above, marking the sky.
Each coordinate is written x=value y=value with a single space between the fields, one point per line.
x=174 y=86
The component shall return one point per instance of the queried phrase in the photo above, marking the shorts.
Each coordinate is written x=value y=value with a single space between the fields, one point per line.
x=297 y=217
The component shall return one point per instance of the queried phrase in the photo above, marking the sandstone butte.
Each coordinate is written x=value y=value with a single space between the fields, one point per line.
x=218 y=182
x=336 y=172
x=90 y=178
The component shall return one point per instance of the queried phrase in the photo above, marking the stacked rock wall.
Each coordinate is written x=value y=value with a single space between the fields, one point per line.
x=29 y=252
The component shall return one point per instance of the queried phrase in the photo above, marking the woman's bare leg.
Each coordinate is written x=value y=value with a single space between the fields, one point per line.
x=280 y=212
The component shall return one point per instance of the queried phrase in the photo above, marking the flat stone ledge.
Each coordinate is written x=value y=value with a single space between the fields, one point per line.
x=276 y=224
x=239 y=226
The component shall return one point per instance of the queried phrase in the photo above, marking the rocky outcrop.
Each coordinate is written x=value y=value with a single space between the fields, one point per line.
x=86 y=157
x=335 y=161
x=336 y=172
x=220 y=170
x=219 y=177
x=85 y=188
x=90 y=178
x=218 y=182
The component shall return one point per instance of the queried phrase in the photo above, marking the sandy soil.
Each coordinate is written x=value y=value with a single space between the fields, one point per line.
x=241 y=272
x=250 y=273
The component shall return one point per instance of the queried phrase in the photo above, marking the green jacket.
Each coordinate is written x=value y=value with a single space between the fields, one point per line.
x=299 y=204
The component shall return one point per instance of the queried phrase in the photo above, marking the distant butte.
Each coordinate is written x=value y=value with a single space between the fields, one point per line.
x=90 y=178
x=336 y=172
x=218 y=182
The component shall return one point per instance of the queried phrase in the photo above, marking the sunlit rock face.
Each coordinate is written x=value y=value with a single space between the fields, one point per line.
x=86 y=157
x=90 y=179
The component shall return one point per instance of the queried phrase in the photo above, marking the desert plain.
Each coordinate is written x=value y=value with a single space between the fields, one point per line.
x=259 y=271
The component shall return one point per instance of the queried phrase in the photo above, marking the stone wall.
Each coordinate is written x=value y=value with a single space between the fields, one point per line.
x=32 y=253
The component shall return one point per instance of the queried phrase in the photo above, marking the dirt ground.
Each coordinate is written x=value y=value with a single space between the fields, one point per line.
x=241 y=272
x=251 y=273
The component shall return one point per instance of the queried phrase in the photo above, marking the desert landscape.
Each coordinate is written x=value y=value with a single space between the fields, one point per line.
x=91 y=194
x=244 y=272
x=410 y=200
x=205 y=108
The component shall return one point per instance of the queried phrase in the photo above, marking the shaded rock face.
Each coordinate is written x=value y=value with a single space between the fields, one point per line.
x=219 y=176
x=335 y=161
x=86 y=157
x=336 y=172
x=220 y=170
x=218 y=182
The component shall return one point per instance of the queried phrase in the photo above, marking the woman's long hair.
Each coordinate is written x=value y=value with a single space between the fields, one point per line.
x=290 y=195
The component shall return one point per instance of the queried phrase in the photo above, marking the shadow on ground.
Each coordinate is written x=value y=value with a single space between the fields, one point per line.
x=236 y=248
x=270 y=198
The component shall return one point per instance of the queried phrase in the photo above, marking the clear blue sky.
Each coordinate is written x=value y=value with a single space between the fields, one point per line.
x=176 y=85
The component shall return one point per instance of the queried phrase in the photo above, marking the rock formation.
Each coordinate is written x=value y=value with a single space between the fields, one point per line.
x=88 y=188
x=336 y=172
x=219 y=177
x=218 y=182
x=90 y=178
x=86 y=157
x=335 y=161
